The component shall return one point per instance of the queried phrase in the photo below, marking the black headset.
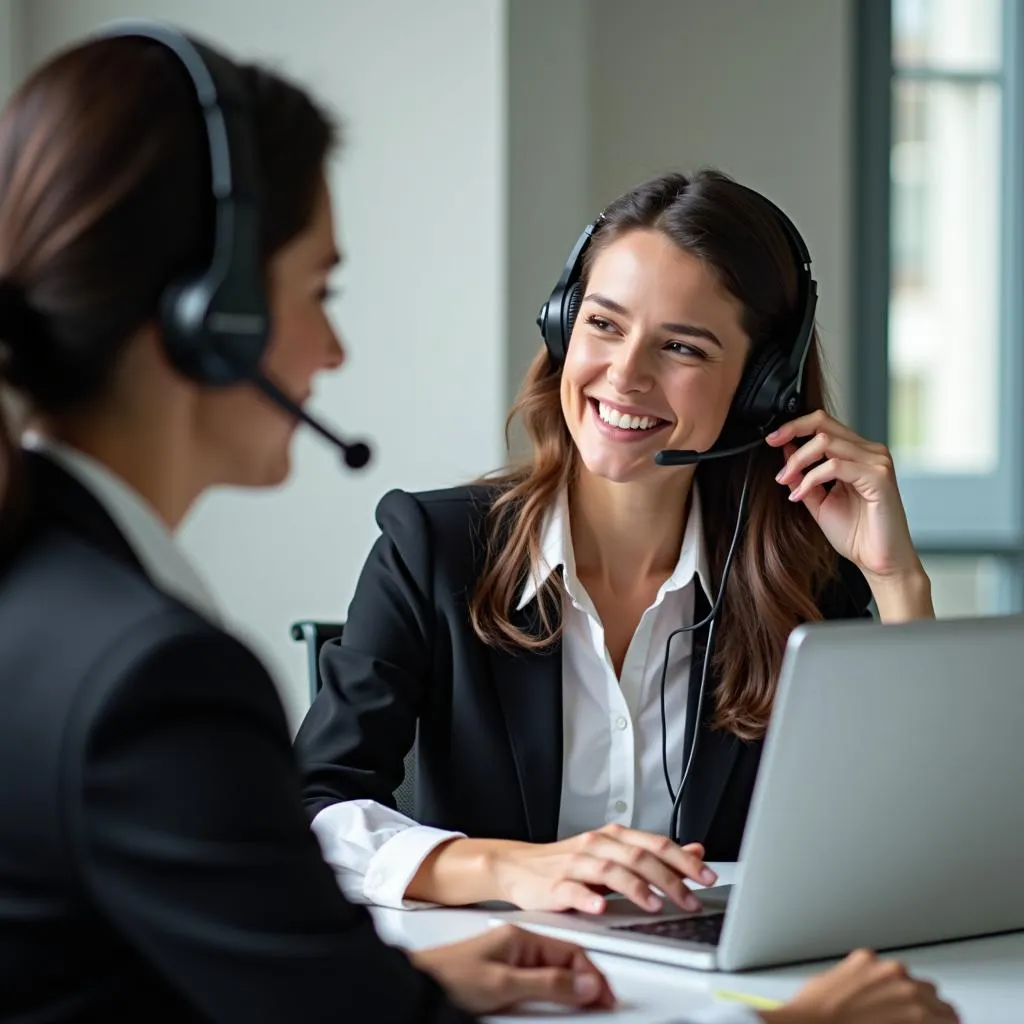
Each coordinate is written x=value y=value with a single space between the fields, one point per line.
x=772 y=382
x=215 y=324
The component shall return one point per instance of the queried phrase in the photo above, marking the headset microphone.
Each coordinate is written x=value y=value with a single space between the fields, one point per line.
x=355 y=453
x=682 y=457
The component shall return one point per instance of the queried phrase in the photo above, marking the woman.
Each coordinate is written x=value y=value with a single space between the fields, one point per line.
x=521 y=628
x=154 y=860
x=155 y=863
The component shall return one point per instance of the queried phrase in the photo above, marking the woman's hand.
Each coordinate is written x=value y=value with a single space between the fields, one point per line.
x=506 y=965
x=861 y=513
x=574 y=874
x=864 y=990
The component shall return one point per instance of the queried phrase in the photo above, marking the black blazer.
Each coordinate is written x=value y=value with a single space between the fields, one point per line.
x=489 y=723
x=155 y=861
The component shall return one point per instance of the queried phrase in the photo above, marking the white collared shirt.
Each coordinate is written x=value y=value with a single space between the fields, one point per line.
x=144 y=531
x=611 y=767
x=611 y=726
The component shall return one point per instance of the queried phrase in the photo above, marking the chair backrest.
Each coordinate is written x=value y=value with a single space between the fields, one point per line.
x=315 y=635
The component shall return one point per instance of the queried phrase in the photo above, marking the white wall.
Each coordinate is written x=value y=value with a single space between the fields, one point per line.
x=548 y=159
x=421 y=216
x=482 y=135
x=11 y=32
x=760 y=90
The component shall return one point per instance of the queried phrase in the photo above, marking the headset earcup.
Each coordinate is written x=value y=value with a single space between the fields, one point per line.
x=571 y=310
x=558 y=315
x=757 y=397
x=183 y=308
x=193 y=345
x=557 y=323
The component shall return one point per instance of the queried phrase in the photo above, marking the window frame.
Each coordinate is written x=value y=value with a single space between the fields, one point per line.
x=950 y=514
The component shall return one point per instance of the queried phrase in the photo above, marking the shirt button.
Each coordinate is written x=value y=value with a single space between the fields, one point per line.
x=620 y=806
x=620 y=722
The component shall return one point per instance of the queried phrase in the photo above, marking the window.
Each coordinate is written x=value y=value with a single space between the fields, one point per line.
x=940 y=279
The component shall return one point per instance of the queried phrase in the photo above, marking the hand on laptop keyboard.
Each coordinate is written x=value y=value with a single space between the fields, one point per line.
x=576 y=873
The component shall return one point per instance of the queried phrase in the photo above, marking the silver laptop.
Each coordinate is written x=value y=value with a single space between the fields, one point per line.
x=888 y=811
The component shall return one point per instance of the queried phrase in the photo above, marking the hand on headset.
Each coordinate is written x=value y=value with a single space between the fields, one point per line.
x=861 y=514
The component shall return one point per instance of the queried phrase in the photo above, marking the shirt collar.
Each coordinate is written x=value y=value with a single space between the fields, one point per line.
x=556 y=552
x=145 y=532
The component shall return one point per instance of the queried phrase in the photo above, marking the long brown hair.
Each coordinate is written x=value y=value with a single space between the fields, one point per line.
x=784 y=561
x=105 y=199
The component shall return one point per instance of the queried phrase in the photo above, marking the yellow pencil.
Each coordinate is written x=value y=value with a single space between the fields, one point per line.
x=758 y=1002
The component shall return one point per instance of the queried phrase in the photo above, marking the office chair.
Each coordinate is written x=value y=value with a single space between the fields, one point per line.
x=315 y=635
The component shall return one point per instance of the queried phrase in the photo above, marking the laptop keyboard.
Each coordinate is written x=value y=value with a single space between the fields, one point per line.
x=705 y=929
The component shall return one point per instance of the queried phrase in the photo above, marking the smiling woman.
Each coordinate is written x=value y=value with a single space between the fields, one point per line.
x=625 y=343
x=546 y=634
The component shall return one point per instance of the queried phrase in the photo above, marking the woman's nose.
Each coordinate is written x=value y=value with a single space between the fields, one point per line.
x=628 y=371
x=335 y=351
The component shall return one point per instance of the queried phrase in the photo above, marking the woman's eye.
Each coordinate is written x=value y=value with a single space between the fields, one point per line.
x=600 y=323
x=685 y=350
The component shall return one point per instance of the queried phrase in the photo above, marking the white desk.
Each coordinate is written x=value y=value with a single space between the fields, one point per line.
x=983 y=978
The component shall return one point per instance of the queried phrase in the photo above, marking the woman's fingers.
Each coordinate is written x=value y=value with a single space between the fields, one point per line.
x=633 y=862
x=687 y=860
x=573 y=894
x=825 y=446
x=507 y=966
x=856 y=474
x=513 y=985
x=605 y=870
x=816 y=422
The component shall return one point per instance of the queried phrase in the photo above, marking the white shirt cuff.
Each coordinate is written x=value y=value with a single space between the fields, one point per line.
x=394 y=865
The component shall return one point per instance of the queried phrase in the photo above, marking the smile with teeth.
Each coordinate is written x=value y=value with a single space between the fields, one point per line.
x=624 y=421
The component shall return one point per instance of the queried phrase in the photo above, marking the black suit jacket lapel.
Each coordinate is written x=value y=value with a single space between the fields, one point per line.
x=529 y=686
x=716 y=750
x=59 y=500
